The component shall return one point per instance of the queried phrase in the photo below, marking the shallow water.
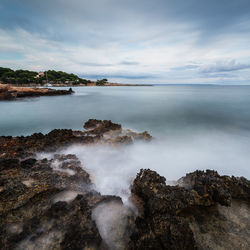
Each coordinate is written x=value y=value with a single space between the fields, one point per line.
x=196 y=127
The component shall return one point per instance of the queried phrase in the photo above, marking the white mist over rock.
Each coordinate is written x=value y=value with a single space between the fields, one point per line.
x=113 y=169
x=112 y=220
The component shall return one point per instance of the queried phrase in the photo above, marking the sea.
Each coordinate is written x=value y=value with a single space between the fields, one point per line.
x=193 y=127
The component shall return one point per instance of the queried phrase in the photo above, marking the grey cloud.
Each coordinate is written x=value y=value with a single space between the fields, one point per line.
x=129 y=63
x=98 y=22
x=219 y=75
x=224 y=67
x=120 y=76
x=120 y=34
x=185 y=67
x=95 y=64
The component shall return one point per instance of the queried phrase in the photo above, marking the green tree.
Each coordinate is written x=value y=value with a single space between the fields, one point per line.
x=26 y=77
x=101 y=82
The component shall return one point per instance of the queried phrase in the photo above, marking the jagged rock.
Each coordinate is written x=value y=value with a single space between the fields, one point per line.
x=221 y=188
x=164 y=221
x=52 y=204
x=47 y=204
x=158 y=227
x=99 y=127
x=98 y=132
x=30 y=145
x=112 y=133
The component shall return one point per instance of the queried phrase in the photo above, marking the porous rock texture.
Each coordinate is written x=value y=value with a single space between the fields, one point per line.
x=47 y=203
x=98 y=131
x=190 y=215
x=51 y=203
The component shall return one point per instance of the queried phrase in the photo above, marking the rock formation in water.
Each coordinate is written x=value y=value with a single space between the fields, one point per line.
x=102 y=132
x=8 y=92
x=51 y=203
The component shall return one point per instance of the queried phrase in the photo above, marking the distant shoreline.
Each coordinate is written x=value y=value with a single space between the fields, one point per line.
x=51 y=78
x=106 y=85
x=81 y=85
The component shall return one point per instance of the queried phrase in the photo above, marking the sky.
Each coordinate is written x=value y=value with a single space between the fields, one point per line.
x=128 y=41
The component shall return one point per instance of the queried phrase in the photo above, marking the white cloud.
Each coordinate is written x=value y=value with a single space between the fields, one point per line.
x=154 y=59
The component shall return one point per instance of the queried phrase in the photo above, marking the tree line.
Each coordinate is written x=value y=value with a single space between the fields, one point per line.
x=9 y=76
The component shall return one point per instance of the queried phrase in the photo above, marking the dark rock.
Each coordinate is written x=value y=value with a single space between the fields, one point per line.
x=159 y=227
x=220 y=189
x=100 y=127
x=6 y=164
x=49 y=203
x=166 y=211
x=28 y=163
x=101 y=131
x=40 y=206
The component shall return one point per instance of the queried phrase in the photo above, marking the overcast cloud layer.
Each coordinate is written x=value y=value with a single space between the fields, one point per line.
x=142 y=41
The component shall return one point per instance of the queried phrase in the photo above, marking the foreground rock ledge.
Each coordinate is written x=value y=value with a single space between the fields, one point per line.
x=193 y=214
x=49 y=203
x=8 y=92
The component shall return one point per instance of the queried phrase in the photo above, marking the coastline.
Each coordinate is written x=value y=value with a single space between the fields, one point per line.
x=10 y=92
x=43 y=188
x=94 y=85
x=74 y=85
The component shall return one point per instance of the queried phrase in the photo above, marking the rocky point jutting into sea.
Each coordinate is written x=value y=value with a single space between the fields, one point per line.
x=52 y=203
x=9 y=92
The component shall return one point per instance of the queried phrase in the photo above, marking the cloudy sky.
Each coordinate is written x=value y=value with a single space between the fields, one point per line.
x=142 y=41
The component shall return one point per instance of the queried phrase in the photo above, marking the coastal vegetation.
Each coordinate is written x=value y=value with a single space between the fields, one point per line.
x=101 y=82
x=9 y=76
x=55 y=78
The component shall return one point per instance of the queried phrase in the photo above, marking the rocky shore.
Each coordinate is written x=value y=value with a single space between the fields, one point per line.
x=8 y=92
x=51 y=203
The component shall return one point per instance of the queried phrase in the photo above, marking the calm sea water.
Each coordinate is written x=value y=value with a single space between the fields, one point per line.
x=198 y=126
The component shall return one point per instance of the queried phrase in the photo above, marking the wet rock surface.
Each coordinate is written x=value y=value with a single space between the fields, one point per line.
x=190 y=214
x=47 y=203
x=50 y=202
